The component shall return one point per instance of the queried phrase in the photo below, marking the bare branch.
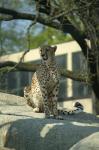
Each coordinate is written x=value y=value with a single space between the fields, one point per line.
x=5 y=18
x=66 y=25
x=6 y=66
x=19 y=15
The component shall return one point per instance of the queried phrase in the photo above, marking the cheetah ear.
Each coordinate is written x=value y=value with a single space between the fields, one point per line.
x=54 y=48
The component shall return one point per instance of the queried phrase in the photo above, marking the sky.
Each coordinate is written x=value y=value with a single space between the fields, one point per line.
x=19 y=26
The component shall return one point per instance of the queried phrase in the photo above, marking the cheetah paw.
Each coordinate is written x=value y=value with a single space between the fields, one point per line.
x=36 y=110
x=58 y=117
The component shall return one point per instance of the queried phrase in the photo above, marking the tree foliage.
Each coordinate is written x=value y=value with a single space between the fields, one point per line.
x=14 y=33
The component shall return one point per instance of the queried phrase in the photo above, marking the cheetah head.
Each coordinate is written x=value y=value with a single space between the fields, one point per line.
x=47 y=52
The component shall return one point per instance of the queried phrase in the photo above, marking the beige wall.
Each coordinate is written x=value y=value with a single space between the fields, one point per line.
x=65 y=48
x=34 y=54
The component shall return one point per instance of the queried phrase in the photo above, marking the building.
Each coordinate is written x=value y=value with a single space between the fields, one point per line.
x=69 y=56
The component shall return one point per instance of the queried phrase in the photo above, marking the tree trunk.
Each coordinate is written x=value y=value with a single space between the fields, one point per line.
x=88 y=16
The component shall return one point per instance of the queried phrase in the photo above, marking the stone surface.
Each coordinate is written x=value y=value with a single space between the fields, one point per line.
x=89 y=143
x=21 y=129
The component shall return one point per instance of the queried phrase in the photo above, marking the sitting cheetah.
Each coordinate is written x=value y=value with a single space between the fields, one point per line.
x=42 y=94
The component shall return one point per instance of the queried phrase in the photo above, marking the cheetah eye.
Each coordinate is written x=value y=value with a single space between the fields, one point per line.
x=47 y=48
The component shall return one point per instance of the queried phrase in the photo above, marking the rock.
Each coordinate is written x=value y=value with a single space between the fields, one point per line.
x=21 y=129
x=89 y=143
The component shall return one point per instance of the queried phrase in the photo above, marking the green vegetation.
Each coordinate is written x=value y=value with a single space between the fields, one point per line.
x=49 y=36
x=15 y=40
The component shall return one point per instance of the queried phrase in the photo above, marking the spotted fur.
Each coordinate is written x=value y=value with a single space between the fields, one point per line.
x=77 y=108
x=42 y=94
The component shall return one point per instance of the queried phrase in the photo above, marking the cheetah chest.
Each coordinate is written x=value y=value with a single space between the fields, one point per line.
x=52 y=79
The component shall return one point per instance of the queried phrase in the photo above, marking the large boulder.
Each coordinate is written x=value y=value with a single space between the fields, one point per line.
x=89 y=143
x=21 y=129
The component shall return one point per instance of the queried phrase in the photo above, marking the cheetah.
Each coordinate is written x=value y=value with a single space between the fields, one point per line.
x=42 y=94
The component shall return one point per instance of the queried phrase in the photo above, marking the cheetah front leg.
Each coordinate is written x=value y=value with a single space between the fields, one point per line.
x=46 y=107
x=54 y=101
x=45 y=100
